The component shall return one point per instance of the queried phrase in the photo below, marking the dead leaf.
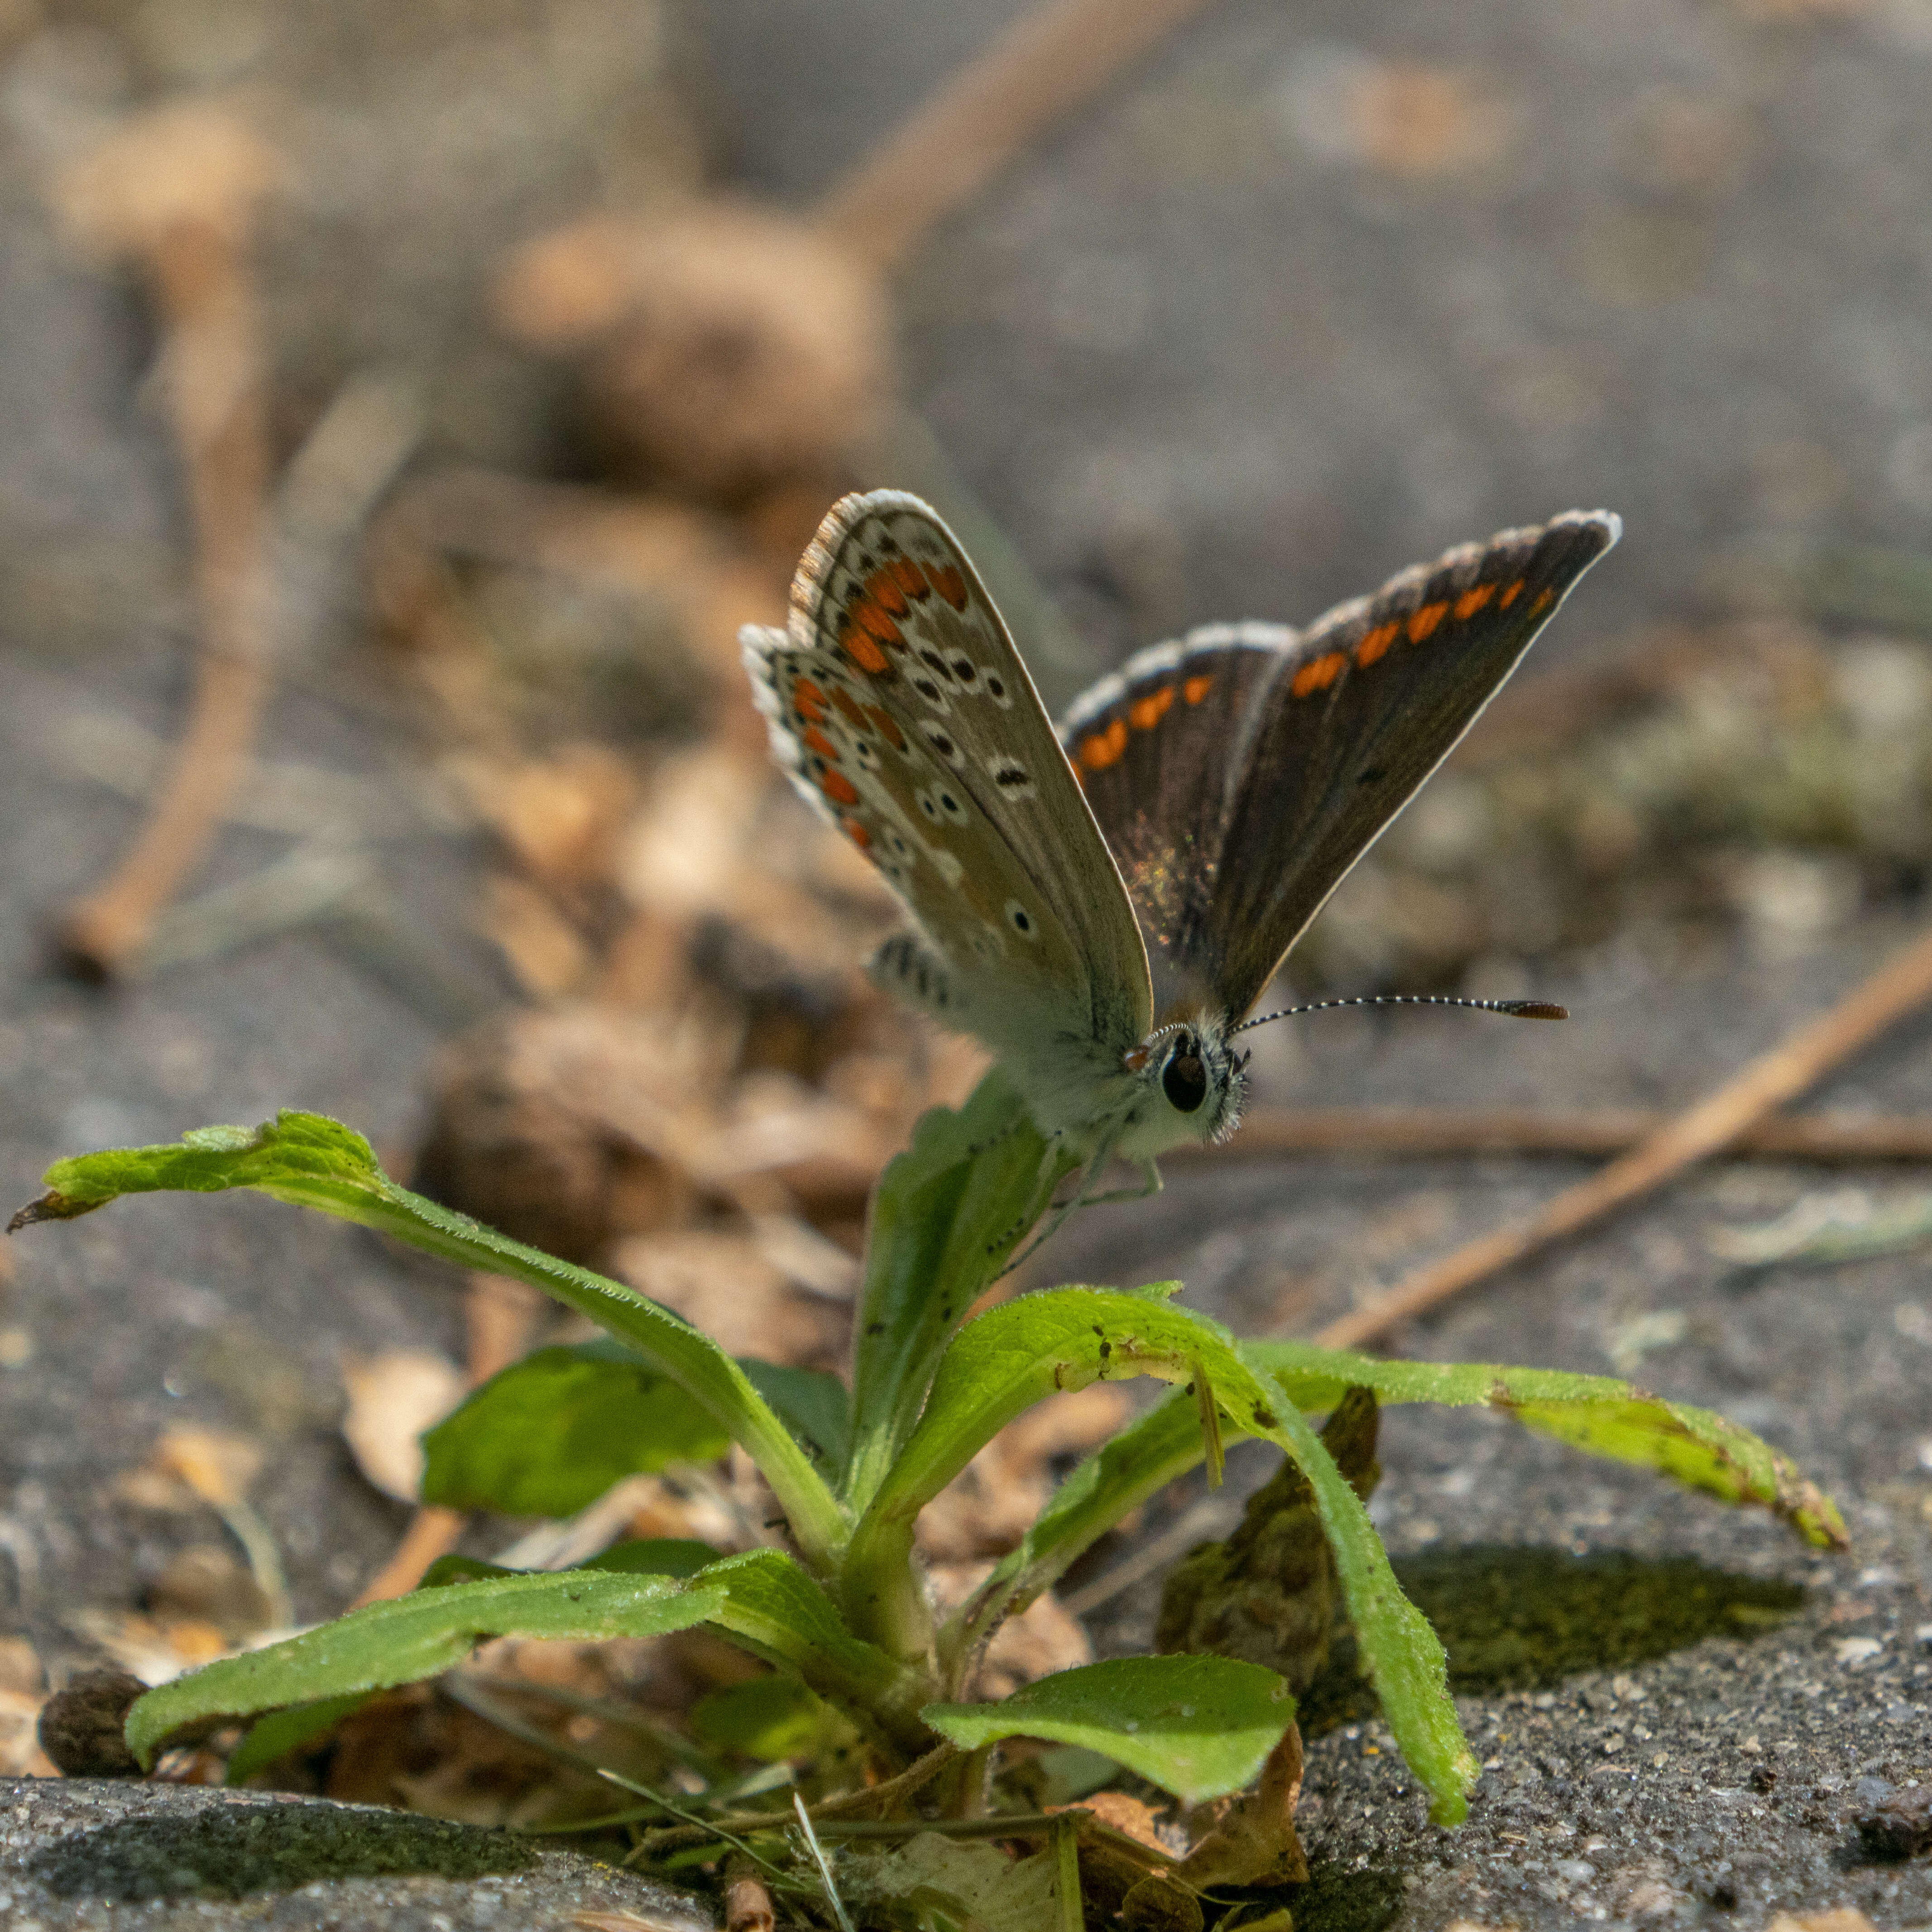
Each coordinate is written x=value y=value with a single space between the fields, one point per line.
x=545 y=951
x=205 y=1584
x=217 y=1465
x=20 y=1752
x=392 y=1399
x=1416 y=121
x=1254 y=1842
x=723 y=1284
x=20 y=1666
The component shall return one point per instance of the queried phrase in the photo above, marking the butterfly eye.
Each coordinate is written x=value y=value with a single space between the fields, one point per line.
x=1184 y=1081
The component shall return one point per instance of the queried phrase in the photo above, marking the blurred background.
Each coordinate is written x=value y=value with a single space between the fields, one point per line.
x=403 y=407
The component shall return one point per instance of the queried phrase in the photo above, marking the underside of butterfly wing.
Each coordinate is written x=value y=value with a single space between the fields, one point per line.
x=897 y=702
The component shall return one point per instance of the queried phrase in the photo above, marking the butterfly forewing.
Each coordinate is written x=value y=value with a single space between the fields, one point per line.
x=897 y=700
x=1361 y=710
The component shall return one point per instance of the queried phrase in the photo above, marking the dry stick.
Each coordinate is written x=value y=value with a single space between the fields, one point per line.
x=947 y=150
x=1897 y=989
x=213 y=371
x=1603 y=1131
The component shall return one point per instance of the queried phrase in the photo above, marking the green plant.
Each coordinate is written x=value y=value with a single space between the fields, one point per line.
x=861 y=1663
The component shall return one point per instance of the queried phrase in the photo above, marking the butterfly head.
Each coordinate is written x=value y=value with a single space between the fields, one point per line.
x=1192 y=1083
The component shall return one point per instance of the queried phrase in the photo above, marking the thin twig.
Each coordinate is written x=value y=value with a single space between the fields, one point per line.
x=1898 y=988
x=434 y=1531
x=190 y=240
x=1602 y=1132
x=1045 y=64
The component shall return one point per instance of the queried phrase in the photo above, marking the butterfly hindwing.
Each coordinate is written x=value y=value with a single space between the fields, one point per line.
x=1368 y=703
x=1156 y=748
x=896 y=698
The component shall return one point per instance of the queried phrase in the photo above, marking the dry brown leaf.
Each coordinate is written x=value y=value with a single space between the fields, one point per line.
x=568 y=1128
x=722 y=1284
x=148 y=1648
x=1128 y=1815
x=191 y=165
x=392 y=1399
x=1840 y=1919
x=1412 y=120
x=20 y=1752
x=217 y=1464
x=988 y=1508
x=559 y=818
x=545 y=951
x=500 y=1318
x=683 y=853
x=1253 y=1840
x=20 y=1666
x=206 y=1584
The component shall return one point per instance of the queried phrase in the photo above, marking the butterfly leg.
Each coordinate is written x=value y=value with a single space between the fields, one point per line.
x=1150 y=1183
x=1080 y=1197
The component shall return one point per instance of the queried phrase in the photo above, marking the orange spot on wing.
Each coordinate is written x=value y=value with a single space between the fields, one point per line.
x=1144 y=713
x=877 y=624
x=1195 y=688
x=885 y=593
x=1544 y=598
x=821 y=743
x=809 y=699
x=910 y=578
x=1319 y=673
x=1376 y=644
x=1509 y=595
x=1423 y=624
x=950 y=585
x=1104 y=748
x=1471 y=601
x=837 y=787
x=887 y=724
x=845 y=702
x=856 y=832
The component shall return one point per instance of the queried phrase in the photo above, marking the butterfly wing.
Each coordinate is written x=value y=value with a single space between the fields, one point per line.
x=897 y=701
x=1156 y=748
x=1238 y=815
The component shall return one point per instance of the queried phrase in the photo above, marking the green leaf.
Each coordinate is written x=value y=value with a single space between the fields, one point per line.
x=416 y=1636
x=1596 y=1413
x=948 y=1213
x=811 y=1403
x=638 y=1556
x=1016 y=1354
x=550 y=1434
x=281 y=1731
x=1198 y=1727
x=774 y=1609
x=312 y=1162
x=768 y=1718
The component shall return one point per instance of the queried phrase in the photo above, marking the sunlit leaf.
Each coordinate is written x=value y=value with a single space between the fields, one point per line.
x=1198 y=1727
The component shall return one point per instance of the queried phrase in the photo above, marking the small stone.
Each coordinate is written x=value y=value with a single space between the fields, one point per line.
x=1897 y=1826
x=1856 y=1650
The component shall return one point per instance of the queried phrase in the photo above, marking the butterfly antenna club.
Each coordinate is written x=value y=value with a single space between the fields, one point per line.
x=1516 y=1009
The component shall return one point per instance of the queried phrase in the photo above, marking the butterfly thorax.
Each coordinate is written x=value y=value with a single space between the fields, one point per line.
x=1183 y=1082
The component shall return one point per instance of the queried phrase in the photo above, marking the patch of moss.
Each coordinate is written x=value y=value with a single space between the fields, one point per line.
x=230 y=1850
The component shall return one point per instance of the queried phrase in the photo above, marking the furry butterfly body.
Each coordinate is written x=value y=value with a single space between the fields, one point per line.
x=1102 y=906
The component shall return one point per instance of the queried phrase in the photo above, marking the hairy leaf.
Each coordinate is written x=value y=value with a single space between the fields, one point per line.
x=550 y=1434
x=1198 y=1727
x=310 y=1161
x=416 y=1636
